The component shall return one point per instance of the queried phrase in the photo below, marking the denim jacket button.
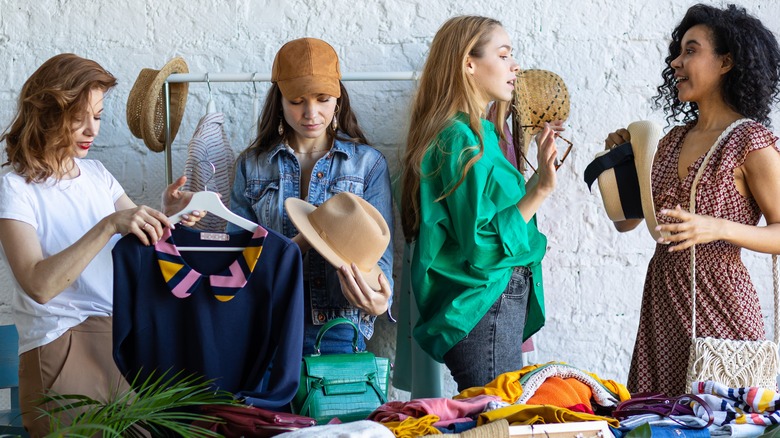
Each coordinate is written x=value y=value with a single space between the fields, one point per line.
x=320 y=175
x=321 y=317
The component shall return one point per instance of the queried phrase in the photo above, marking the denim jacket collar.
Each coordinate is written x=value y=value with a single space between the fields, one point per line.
x=345 y=147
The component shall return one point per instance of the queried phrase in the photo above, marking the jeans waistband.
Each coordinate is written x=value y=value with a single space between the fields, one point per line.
x=522 y=270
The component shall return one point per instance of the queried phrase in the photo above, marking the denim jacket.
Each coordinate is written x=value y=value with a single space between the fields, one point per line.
x=264 y=181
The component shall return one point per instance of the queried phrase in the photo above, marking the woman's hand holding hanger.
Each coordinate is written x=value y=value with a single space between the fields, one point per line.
x=175 y=200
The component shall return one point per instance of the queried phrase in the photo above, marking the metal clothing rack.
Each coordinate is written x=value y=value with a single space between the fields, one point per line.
x=252 y=77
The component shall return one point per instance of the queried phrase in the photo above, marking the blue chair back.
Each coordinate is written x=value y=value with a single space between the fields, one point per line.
x=10 y=419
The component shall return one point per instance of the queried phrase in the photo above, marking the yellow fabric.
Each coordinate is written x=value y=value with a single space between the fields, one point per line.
x=169 y=269
x=251 y=255
x=507 y=385
x=414 y=427
x=540 y=414
x=617 y=388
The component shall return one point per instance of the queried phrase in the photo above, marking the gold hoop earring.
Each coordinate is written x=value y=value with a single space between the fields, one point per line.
x=335 y=123
x=280 y=129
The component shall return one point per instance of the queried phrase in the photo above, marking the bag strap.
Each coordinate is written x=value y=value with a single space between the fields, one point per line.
x=661 y=405
x=692 y=209
x=332 y=323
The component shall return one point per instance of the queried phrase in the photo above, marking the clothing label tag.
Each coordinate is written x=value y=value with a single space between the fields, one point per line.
x=219 y=237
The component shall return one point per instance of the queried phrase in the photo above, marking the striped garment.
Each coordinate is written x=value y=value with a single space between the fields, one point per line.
x=751 y=405
x=182 y=279
x=209 y=144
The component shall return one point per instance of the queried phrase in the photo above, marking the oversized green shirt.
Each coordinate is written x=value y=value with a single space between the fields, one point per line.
x=470 y=241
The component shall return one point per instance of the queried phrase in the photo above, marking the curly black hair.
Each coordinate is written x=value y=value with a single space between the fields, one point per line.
x=751 y=86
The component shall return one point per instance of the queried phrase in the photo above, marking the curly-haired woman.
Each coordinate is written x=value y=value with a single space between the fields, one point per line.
x=720 y=81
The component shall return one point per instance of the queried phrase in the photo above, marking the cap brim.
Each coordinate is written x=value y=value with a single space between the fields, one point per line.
x=304 y=85
x=299 y=211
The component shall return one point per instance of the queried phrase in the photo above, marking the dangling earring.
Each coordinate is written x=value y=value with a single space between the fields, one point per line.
x=280 y=129
x=335 y=123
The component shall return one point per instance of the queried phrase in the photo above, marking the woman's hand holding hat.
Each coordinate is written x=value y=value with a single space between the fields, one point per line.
x=360 y=294
x=617 y=138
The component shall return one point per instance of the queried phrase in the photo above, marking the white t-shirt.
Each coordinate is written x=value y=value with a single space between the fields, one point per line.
x=61 y=213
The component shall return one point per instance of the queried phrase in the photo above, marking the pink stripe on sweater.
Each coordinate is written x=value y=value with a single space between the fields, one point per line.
x=235 y=279
x=182 y=290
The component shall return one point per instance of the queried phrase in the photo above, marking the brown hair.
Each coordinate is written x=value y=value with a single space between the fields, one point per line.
x=40 y=139
x=445 y=88
x=268 y=127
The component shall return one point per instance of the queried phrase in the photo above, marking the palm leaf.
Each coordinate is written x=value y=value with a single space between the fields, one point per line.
x=159 y=405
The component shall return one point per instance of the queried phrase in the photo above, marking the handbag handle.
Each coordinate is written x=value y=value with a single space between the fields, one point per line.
x=663 y=406
x=332 y=323
x=692 y=209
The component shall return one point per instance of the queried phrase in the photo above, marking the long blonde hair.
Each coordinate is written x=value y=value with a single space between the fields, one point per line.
x=40 y=139
x=445 y=88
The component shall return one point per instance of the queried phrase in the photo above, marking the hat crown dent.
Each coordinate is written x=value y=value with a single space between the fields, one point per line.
x=353 y=229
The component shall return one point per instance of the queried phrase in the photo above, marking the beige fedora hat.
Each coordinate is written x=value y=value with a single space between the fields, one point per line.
x=344 y=229
x=540 y=96
x=624 y=176
x=146 y=104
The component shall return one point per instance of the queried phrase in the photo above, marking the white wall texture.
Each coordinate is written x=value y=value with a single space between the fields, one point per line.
x=610 y=53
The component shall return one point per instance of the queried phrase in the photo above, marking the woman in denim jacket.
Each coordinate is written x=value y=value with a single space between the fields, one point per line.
x=309 y=146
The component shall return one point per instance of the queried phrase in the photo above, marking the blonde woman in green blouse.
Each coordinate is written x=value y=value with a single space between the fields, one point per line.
x=476 y=270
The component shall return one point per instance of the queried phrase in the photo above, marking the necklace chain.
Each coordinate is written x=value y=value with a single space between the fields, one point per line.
x=310 y=152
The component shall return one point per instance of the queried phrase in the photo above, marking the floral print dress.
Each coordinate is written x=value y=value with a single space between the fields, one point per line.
x=727 y=302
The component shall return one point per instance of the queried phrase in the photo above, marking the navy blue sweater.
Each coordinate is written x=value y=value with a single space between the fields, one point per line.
x=233 y=341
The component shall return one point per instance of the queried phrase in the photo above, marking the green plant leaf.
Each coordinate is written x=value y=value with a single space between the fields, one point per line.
x=160 y=405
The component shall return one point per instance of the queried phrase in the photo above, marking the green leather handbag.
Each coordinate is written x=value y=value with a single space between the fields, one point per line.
x=347 y=386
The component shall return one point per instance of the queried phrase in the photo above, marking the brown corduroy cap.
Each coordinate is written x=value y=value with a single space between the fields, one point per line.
x=306 y=66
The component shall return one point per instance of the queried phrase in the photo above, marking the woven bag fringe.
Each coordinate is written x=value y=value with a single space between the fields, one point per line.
x=734 y=363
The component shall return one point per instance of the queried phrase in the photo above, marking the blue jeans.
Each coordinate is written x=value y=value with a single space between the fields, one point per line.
x=338 y=339
x=493 y=347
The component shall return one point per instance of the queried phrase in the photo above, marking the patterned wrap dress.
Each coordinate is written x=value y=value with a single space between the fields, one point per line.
x=728 y=305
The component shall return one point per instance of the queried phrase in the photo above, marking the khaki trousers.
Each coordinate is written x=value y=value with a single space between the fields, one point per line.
x=78 y=362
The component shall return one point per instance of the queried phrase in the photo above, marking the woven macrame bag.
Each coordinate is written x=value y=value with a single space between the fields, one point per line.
x=734 y=363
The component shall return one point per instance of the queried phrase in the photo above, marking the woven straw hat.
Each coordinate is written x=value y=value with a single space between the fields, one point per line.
x=344 y=229
x=146 y=104
x=540 y=96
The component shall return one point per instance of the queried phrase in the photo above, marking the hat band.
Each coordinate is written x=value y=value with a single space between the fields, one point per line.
x=621 y=159
x=628 y=191
x=615 y=156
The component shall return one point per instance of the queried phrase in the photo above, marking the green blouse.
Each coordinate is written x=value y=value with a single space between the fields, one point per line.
x=470 y=241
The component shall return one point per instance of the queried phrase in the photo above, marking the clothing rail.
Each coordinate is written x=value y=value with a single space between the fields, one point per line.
x=252 y=77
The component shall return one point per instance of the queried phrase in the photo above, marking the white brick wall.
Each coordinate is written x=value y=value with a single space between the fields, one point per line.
x=610 y=54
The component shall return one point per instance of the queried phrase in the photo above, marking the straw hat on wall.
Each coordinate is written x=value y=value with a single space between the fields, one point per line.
x=146 y=104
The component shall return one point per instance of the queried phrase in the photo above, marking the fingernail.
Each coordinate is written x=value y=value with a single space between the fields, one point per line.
x=185 y=217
